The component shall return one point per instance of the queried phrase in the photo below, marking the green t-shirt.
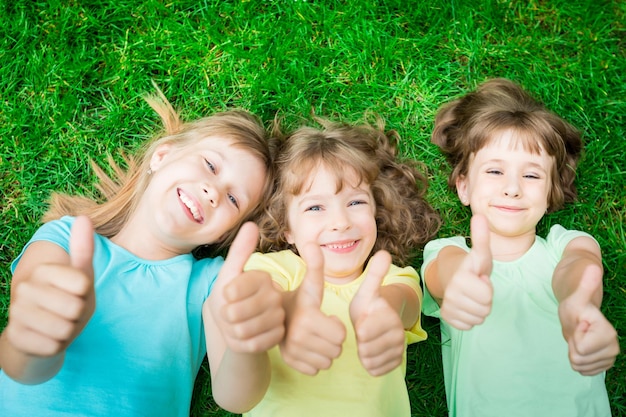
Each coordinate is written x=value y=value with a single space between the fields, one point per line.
x=516 y=363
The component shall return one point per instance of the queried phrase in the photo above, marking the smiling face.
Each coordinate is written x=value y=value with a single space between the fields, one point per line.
x=509 y=185
x=341 y=223
x=199 y=192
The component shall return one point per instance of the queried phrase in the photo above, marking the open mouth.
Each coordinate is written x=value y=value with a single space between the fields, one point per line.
x=192 y=208
x=341 y=246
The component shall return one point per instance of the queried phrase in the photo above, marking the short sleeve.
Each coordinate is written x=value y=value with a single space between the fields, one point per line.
x=559 y=237
x=430 y=307
x=56 y=231
x=409 y=277
x=282 y=266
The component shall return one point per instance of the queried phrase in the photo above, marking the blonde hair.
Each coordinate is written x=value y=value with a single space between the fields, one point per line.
x=120 y=193
x=404 y=219
x=465 y=125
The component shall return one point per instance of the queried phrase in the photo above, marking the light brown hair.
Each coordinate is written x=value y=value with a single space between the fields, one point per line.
x=404 y=219
x=465 y=125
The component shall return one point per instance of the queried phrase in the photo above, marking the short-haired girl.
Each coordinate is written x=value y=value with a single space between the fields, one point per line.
x=111 y=323
x=345 y=207
x=521 y=328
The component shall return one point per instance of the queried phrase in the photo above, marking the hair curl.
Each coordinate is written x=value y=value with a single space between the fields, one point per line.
x=404 y=219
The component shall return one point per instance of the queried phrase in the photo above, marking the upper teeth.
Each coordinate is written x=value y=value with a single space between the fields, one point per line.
x=191 y=206
x=345 y=245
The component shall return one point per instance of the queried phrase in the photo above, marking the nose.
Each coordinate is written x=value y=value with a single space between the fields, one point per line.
x=339 y=220
x=512 y=187
x=212 y=194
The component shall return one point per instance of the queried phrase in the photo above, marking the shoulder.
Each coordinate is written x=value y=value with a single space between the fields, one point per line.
x=403 y=275
x=432 y=248
x=56 y=232
x=559 y=238
x=285 y=267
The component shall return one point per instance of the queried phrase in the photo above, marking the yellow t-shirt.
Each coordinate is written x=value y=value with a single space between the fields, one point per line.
x=346 y=389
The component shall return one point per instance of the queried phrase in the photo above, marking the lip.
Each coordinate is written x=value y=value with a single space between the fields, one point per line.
x=508 y=209
x=190 y=206
x=341 y=246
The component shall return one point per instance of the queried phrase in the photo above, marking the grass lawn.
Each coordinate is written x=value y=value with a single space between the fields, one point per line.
x=72 y=74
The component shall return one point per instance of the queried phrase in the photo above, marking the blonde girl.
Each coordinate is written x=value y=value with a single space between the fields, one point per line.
x=106 y=315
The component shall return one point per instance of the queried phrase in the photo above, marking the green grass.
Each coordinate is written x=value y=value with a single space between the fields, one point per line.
x=72 y=73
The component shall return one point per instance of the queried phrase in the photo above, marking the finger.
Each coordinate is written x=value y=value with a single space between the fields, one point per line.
x=260 y=342
x=55 y=299
x=481 y=251
x=311 y=290
x=240 y=250
x=248 y=285
x=82 y=246
x=377 y=268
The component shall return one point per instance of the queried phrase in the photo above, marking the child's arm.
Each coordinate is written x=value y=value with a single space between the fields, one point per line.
x=459 y=281
x=52 y=299
x=380 y=315
x=577 y=285
x=312 y=339
x=243 y=318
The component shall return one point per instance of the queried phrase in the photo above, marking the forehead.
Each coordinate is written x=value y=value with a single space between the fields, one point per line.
x=322 y=176
x=509 y=147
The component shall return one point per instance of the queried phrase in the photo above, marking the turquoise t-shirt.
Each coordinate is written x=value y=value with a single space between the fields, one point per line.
x=516 y=363
x=142 y=349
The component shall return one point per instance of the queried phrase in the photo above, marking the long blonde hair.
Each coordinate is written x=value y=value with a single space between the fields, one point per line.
x=120 y=193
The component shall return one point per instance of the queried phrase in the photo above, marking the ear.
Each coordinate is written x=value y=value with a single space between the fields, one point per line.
x=159 y=155
x=461 y=190
x=289 y=238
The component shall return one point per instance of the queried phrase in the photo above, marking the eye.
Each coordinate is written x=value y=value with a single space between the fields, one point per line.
x=532 y=176
x=233 y=200
x=210 y=165
x=314 y=208
x=494 y=171
x=357 y=202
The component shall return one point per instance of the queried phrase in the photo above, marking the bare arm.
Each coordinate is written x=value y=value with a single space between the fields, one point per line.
x=52 y=299
x=460 y=281
x=580 y=254
x=577 y=284
x=243 y=318
x=238 y=380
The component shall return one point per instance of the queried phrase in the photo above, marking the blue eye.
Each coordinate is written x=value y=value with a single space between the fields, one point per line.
x=314 y=208
x=356 y=202
x=233 y=200
x=210 y=165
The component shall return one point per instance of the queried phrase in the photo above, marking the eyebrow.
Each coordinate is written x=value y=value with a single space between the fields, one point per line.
x=501 y=161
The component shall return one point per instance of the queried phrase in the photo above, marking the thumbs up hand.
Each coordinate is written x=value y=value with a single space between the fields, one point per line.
x=313 y=339
x=378 y=327
x=51 y=306
x=468 y=296
x=592 y=340
x=246 y=306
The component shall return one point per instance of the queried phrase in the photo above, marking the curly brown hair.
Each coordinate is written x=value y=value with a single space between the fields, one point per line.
x=465 y=125
x=404 y=219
